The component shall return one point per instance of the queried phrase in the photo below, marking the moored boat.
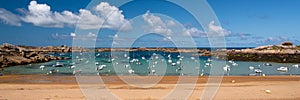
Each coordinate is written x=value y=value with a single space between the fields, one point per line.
x=283 y=69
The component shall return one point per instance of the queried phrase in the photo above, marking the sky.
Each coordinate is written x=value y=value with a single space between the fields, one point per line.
x=147 y=23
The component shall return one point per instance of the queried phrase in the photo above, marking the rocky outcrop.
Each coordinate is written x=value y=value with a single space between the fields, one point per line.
x=203 y=52
x=283 y=53
x=18 y=55
x=57 y=49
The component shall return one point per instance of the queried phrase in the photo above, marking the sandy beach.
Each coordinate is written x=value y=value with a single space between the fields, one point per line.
x=43 y=87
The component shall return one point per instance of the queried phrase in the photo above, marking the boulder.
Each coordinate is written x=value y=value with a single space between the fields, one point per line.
x=7 y=45
x=16 y=55
x=31 y=54
x=287 y=43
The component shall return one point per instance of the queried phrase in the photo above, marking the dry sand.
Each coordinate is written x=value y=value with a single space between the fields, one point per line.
x=43 y=87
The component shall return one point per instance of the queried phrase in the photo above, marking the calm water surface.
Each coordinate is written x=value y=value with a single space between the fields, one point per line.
x=146 y=63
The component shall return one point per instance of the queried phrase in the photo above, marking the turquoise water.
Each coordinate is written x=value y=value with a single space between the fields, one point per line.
x=149 y=63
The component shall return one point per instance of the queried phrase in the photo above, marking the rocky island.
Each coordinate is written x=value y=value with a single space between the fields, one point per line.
x=282 y=53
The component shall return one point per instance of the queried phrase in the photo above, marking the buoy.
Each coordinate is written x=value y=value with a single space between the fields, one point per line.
x=268 y=91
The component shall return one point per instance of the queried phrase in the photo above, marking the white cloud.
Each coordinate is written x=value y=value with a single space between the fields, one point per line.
x=194 y=32
x=89 y=20
x=61 y=36
x=213 y=30
x=88 y=36
x=41 y=15
x=115 y=43
x=9 y=18
x=66 y=17
x=168 y=38
x=92 y=35
x=156 y=24
x=171 y=23
x=114 y=17
x=277 y=40
x=217 y=30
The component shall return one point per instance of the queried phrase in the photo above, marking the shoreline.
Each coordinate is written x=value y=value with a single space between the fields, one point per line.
x=57 y=79
x=243 y=87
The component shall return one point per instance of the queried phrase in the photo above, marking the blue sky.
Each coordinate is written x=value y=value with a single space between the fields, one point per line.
x=245 y=23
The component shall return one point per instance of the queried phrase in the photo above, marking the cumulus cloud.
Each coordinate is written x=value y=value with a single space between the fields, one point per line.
x=156 y=24
x=40 y=15
x=89 y=20
x=217 y=30
x=9 y=18
x=72 y=35
x=106 y=16
x=66 y=17
x=194 y=32
x=91 y=35
x=214 y=30
x=275 y=39
x=61 y=36
x=242 y=36
x=113 y=15
x=171 y=23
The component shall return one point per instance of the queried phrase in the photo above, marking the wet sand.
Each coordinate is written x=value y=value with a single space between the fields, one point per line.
x=44 y=87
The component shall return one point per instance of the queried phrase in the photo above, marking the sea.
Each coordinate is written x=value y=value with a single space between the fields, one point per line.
x=154 y=63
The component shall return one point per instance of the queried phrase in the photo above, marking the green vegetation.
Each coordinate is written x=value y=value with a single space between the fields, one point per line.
x=276 y=47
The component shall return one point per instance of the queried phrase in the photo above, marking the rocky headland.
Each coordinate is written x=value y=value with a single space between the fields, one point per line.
x=282 y=53
x=19 y=55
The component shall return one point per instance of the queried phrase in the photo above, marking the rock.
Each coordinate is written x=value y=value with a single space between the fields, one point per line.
x=7 y=45
x=17 y=55
x=282 y=53
x=17 y=60
x=268 y=91
x=31 y=54
x=2 y=58
x=287 y=43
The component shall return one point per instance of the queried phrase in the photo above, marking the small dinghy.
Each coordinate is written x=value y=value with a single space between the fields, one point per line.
x=282 y=69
